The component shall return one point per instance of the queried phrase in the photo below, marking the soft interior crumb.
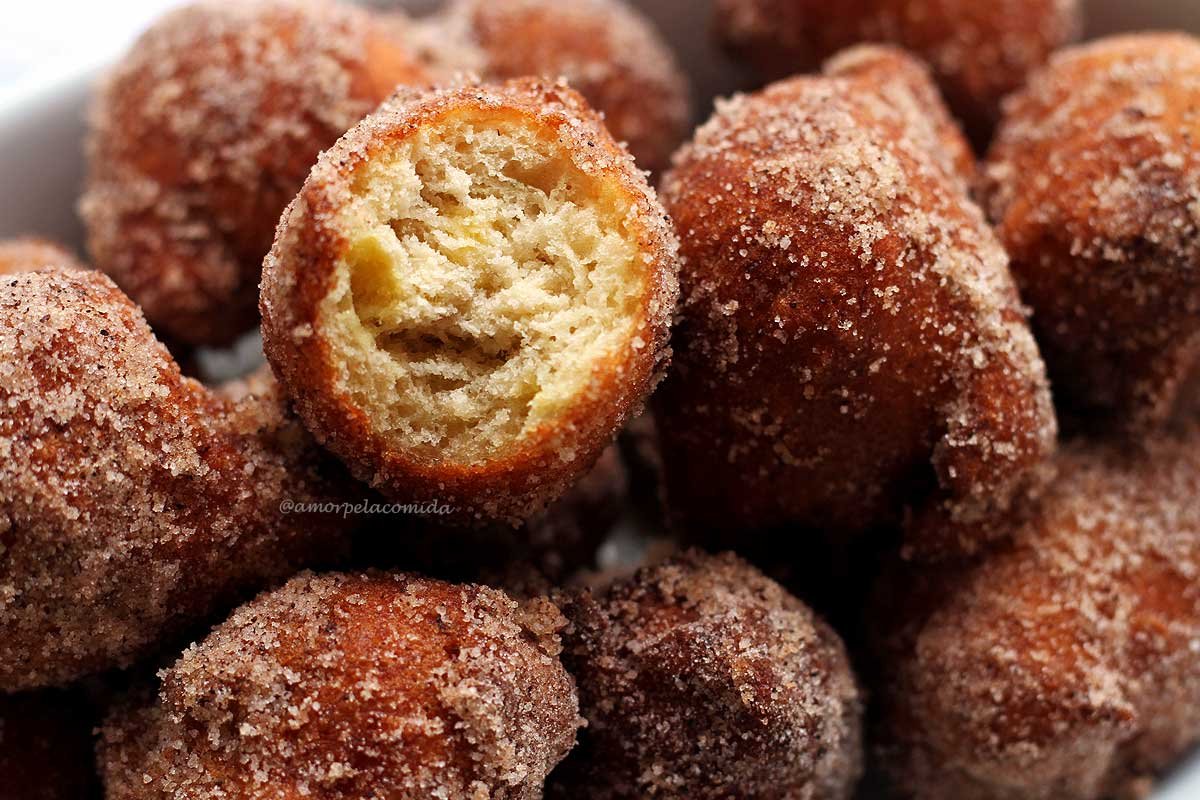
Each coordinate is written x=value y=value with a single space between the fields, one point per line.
x=485 y=276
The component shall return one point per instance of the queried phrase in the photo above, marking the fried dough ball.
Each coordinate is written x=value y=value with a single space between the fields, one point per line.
x=979 y=51
x=46 y=747
x=133 y=501
x=1064 y=666
x=354 y=686
x=470 y=296
x=607 y=50
x=851 y=347
x=1094 y=186
x=202 y=135
x=30 y=254
x=701 y=678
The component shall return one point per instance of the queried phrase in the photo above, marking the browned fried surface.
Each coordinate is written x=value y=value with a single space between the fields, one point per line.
x=851 y=345
x=701 y=678
x=1094 y=186
x=46 y=747
x=355 y=686
x=132 y=501
x=1065 y=665
x=605 y=49
x=204 y=132
x=29 y=254
x=980 y=50
x=513 y=484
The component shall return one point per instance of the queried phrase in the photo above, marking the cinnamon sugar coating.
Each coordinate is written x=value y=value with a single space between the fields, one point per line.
x=1094 y=186
x=606 y=49
x=355 y=686
x=701 y=678
x=979 y=51
x=1065 y=665
x=46 y=747
x=470 y=296
x=132 y=500
x=30 y=254
x=204 y=132
x=851 y=349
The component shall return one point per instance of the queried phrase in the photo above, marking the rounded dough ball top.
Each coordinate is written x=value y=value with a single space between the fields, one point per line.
x=352 y=686
x=851 y=352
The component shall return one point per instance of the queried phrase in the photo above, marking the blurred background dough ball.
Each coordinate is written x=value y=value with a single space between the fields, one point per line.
x=1093 y=184
x=1062 y=665
x=353 y=686
x=30 y=254
x=607 y=50
x=701 y=678
x=980 y=50
x=203 y=133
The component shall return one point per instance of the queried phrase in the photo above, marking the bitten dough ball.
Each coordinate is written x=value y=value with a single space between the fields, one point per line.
x=979 y=50
x=701 y=678
x=132 y=500
x=354 y=686
x=851 y=346
x=606 y=50
x=470 y=295
x=30 y=254
x=1093 y=184
x=46 y=747
x=1063 y=666
x=204 y=132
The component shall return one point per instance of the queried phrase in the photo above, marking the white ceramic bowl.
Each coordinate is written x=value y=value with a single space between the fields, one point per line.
x=42 y=124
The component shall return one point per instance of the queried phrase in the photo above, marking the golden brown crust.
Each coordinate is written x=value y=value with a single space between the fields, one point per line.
x=354 y=686
x=1094 y=186
x=30 y=254
x=608 y=51
x=46 y=748
x=132 y=500
x=204 y=132
x=980 y=51
x=851 y=346
x=1064 y=666
x=298 y=276
x=701 y=678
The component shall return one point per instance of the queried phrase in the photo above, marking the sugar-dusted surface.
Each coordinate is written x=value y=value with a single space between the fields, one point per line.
x=30 y=254
x=1066 y=665
x=132 y=500
x=1094 y=186
x=204 y=132
x=355 y=686
x=980 y=50
x=701 y=678
x=851 y=346
x=306 y=291
x=605 y=49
